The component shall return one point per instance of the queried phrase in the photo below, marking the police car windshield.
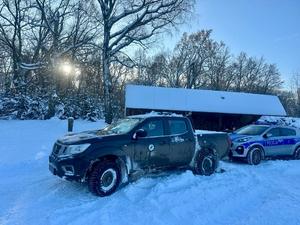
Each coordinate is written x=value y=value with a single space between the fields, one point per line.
x=120 y=127
x=252 y=130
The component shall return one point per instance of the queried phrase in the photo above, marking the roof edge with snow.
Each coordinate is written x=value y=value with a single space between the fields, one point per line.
x=195 y=100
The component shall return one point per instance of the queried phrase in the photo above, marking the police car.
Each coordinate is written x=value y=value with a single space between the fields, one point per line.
x=255 y=142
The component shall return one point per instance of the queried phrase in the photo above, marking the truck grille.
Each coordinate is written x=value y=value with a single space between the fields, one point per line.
x=58 y=149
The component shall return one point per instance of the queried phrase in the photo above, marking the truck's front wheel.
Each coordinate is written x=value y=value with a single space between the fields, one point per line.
x=205 y=163
x=104 y=178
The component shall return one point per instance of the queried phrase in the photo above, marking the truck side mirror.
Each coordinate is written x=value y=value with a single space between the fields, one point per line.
x=139 y=134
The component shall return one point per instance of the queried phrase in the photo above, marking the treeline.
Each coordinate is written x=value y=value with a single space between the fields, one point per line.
x=39 y=40
x=72 y=53
x=200 y=62
x=73 y=58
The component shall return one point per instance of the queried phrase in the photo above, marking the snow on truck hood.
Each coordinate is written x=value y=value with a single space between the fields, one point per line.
x=77 y=137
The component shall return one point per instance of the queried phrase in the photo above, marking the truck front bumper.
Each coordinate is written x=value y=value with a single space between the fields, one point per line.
x=73 y=169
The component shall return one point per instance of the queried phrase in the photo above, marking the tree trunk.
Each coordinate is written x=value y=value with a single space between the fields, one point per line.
x=17 y=81
x=107 y=79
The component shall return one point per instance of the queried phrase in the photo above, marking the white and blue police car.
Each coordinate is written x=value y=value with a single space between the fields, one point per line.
x=255 y=142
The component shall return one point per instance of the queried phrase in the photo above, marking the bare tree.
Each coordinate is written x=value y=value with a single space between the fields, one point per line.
x=69 y=24
x=295 y=86
x=5 y=68
x=238 y=67
x=255 y=75
x=66 y=27
x=190 y=60
x=270 y=79
x=12 y=15
x=130 y=22
x=219 y=71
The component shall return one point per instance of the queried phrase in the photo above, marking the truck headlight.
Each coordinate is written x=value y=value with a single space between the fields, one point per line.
x=74 y=149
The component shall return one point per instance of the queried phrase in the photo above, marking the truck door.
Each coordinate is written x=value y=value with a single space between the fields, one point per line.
x=182 y=145
x=154 y=149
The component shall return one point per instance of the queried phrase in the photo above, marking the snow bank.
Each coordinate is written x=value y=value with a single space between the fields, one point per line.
x=22 y=140
x=267 y=194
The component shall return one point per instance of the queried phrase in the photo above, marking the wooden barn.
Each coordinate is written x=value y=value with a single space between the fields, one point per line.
x=207 y=109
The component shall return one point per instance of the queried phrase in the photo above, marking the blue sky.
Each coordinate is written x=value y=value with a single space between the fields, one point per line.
x=268 y=28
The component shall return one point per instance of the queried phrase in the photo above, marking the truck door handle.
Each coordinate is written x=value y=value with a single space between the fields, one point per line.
x=163 y=143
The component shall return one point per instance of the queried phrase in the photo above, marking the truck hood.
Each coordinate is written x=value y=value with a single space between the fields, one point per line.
x=85 y=137
x=78 y=138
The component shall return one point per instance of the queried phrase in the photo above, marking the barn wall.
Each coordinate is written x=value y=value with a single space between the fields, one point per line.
x=208 y=121
x=221 y=122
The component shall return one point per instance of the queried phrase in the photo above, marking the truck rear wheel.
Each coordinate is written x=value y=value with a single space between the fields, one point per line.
x=205 y=163
x=254 y=156
x=104 y=178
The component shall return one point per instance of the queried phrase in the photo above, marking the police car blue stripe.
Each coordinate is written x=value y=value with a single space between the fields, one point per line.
x=290 y=141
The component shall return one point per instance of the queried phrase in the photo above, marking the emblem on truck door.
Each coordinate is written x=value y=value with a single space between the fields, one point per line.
x=151 y=147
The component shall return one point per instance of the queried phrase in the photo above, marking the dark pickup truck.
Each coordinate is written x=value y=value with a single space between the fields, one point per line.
x=134 y=146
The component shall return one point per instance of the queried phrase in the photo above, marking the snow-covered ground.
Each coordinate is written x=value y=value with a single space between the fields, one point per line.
x=243 y=194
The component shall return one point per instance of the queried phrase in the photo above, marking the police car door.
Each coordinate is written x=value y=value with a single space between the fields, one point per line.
x=273 y=142
x=289 y=137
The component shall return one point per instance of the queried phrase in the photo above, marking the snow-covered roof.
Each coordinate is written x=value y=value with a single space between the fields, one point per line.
x=180 y=99
x=281 y=121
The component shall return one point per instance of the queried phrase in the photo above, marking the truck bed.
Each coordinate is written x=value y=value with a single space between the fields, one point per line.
x=218 y=141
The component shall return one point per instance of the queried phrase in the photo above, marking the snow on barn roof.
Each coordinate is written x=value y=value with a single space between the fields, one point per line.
x=180 y=99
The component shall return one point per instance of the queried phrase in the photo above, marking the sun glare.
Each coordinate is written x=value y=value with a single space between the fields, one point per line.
x=66 y=68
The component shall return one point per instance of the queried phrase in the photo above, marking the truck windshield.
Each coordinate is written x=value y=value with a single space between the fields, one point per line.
x=120 y=127
x=252 y=130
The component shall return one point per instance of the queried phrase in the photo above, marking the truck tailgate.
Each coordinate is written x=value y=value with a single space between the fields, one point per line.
x=219 y=141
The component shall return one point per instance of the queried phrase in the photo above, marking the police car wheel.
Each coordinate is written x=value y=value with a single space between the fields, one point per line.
x=297 y=153
x=254 y=156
